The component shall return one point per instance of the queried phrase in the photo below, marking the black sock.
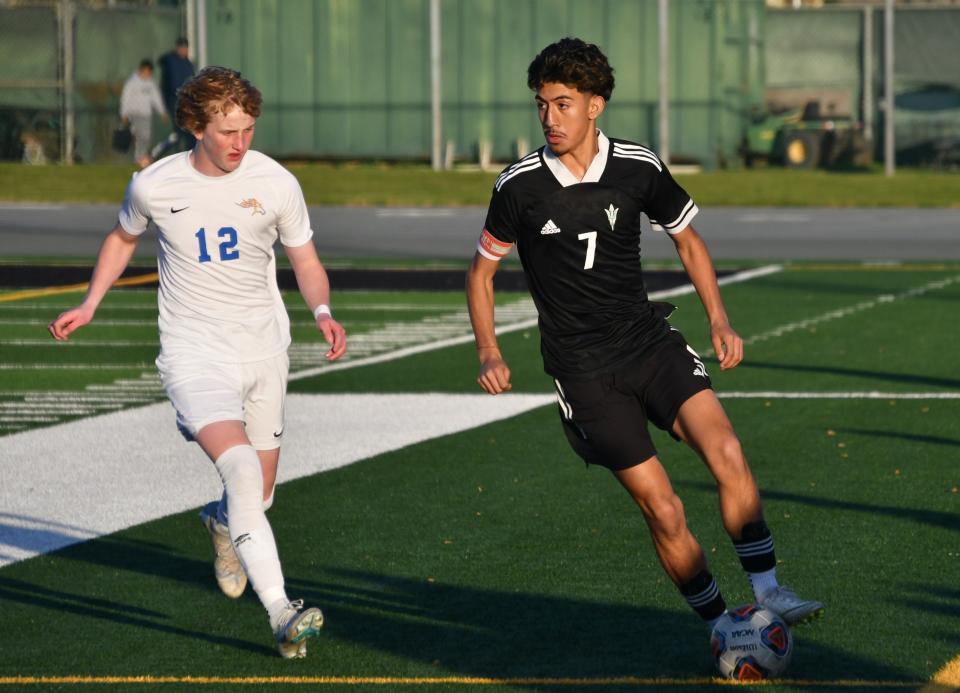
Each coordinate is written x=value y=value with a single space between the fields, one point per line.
x=704 y=596
x=755 y=548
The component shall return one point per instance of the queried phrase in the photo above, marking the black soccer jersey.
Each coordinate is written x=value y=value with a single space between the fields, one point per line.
x=579 y=243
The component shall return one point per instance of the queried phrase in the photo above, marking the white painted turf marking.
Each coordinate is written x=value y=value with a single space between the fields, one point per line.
x=526 y=305
x=850 y=310
x=59 y=499
x=838 y=395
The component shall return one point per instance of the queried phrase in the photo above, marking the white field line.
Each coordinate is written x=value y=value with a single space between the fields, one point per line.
x=466 y=335
x=73 y=366
x=871 y=394
x=106 y=323
x=340 y=306
x=75 y=343
x=68 y=395
x=31 y=407
x=58 y=485
x=882 y=299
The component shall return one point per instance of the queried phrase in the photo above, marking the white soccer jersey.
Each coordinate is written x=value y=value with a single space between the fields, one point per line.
x=218 y=295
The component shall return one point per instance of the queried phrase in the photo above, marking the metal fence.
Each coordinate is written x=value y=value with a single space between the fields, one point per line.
x=351 y=78
x=837 y=53
x=62 y=67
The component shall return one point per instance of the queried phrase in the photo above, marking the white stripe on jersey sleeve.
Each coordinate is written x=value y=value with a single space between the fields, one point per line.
x=515 y=165
x=522 y=169
x=690 y=210
x=638 y=155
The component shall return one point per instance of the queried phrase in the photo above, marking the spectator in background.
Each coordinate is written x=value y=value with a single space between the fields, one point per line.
x=175 y=70
x=138 y=100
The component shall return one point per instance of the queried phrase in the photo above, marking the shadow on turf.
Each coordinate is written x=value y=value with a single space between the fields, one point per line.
x=477 y=632
x=933 y=599
x=934 y=518
x=913 y=437
x=117 y=554
x=951 y=383
x=37 y=533
x=450 y=629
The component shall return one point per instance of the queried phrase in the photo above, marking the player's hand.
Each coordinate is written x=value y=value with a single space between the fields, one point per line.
x=727 y=344
x=69 y=321
x=494 y=376
x=335 y=335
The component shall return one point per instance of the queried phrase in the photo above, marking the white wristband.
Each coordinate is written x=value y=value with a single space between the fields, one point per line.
x=322 y=309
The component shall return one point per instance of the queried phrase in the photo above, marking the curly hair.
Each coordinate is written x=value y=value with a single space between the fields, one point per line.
x=214 y=90
x=573 y=62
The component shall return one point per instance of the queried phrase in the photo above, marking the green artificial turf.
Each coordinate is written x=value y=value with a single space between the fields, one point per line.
x=495 y=553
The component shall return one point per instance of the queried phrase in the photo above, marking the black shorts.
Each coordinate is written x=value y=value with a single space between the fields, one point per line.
x=605 y=418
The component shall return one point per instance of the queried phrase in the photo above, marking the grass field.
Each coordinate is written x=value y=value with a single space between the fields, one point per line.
x=490 y=556
x=408 y=184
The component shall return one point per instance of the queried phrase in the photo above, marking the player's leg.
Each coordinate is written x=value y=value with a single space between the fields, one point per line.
x=702 y=423
x=269 y=464
x=205 y=393
x=265 y=385
x=238 y=464
x=140 y=127
x=679 y=552
x=606 y=425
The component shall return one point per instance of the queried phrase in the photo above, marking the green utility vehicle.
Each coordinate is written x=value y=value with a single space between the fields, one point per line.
x=805 y=137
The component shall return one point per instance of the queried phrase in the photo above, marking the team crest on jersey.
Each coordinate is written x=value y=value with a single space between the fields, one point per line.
x=253 y=204
x=612 y=215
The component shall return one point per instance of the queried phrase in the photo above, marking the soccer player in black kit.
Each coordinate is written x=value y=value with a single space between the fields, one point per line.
x=573 y=210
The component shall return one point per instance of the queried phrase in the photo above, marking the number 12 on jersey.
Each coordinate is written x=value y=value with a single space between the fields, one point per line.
x=227 y=246
x=591 y=238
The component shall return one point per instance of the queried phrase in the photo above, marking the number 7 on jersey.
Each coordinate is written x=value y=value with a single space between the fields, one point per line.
x=591 y=238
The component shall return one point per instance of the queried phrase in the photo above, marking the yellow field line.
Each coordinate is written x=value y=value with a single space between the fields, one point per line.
x=948 y=678
x=73 y=288
x=438 y=680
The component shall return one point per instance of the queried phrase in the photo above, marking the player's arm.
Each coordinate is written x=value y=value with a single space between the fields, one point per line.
x=696 y=260
x=315 y=289
x=494 y=375
x=115 y=253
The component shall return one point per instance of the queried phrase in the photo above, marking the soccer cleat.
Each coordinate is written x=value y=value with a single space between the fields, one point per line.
x=784 y=602
x=294 y=627
x=226 y=566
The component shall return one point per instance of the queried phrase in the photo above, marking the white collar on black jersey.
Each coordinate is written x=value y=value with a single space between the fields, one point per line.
x=594 y=171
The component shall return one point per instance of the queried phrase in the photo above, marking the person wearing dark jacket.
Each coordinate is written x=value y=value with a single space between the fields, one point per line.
x=175 y=69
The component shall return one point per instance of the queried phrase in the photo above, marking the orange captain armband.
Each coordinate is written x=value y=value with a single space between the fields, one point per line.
x=492 y=247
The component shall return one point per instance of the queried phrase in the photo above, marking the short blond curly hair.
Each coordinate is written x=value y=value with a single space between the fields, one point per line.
x=214 y=90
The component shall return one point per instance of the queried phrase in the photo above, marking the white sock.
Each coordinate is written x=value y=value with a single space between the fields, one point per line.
x=275 y=611
x=222 y=514
x=763 y=583
x=250 y=532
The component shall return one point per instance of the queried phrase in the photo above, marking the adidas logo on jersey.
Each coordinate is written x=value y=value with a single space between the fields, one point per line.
x=549 y=228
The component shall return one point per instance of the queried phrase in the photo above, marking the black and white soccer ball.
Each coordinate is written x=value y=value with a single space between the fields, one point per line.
x=750 y=643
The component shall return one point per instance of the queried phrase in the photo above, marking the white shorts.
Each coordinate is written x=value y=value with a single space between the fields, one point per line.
x=204 y=393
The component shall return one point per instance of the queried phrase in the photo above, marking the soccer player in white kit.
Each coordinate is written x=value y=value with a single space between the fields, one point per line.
x=224 y=331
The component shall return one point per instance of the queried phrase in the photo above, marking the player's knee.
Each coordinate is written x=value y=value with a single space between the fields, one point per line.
x=728 y=459
x=239 y=467
x=665 y=515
